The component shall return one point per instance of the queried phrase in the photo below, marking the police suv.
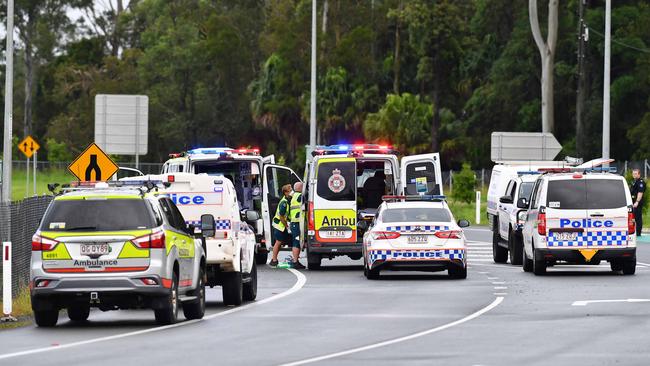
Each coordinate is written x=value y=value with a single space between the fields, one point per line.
x=415 y=233
x=257 y=180
x=115 y=248
x=579 y=216
x=230 y=252
x=345 y=185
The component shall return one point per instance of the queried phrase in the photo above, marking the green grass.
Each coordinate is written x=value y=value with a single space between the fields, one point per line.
x=42 y=179
x=22 y=309
x=463 y=210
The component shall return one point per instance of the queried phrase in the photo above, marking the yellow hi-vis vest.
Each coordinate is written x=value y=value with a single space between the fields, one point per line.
x=277 y=223
x=295 y=212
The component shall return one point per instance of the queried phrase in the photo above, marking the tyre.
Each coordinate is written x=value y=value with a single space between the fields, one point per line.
x=499 y=253
x=261 y=258
x=195 y=309
x=515 y=247
x=169 y=313
x=539 y=265
x=355 y=257
x=457 y=272
x=46 y=318
x=527 y=263
x=616 y=265
x=371 y=274
x=78 y=313
x=313 y=261
x=250 y=288
x=232 y=288
x=629 y=266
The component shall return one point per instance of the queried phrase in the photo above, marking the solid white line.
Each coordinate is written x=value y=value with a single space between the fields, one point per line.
x=301 y=280
x=585 y=302
x=643 y=264
x=499 y=283
x=493 y=278
x=500 y=293
x=494 y=304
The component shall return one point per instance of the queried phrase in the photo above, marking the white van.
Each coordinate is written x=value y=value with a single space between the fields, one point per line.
x=257 y=180
x=345 y=185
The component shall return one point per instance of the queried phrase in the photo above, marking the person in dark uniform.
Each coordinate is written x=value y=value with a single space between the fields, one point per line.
x=637 y=190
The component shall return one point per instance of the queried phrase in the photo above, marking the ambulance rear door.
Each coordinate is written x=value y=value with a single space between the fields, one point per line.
x=420 y=174
x=275 y=176
x=335 y=200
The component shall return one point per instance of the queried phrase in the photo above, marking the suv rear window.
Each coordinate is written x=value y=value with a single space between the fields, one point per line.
x=586 y=194
x=336 y=181
x=415 y=215
x=98 y=215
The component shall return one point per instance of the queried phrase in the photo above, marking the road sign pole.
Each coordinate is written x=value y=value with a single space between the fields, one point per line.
x=606 y=77
x=137 y=132
x=7 y=301
x=34 y=175
x=9 y=98
x=478 y=207
x=312 y=101
x=27 y=178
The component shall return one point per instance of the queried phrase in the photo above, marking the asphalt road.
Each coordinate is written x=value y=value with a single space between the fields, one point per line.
x=499 y=315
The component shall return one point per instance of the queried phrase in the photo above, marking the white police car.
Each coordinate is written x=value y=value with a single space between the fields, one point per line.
x=415 y=233
x=580 y=217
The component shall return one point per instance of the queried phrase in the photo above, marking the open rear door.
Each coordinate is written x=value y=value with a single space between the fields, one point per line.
x=420 y=174
x=268 y=159
x=275 y=176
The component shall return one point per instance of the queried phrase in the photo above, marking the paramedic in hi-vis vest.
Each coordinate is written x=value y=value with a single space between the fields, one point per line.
x=280 y=224
x=295 y=216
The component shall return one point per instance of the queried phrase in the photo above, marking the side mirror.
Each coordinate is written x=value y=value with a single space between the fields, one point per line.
x=522 y=203
x=252 y=215
x=463 y=223
x=207 y=225
x=505 y=199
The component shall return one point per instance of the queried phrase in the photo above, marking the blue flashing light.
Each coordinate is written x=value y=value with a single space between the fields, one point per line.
x=342 y=147
x=210 y=150
x=529 y=172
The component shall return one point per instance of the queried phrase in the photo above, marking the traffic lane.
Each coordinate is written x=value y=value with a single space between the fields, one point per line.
x=110 y=323
x=337 y=309
x=478 y=233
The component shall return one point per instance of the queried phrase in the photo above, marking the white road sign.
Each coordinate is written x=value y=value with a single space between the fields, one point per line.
x=118 y=120
x=525 y=146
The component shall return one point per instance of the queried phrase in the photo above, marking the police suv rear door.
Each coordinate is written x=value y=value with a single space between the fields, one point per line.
x=421 y=174
x=608 y=199
x=335 y=200
x=566 y=210
x=275 y=176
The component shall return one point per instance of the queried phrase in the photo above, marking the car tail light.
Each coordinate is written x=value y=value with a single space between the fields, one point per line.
x=310 y=221
x=155 y=240
x=451 y=234
x=631 y=223
x=541 y=224
x=385 y=235
x=40 y=243
x=171 y=179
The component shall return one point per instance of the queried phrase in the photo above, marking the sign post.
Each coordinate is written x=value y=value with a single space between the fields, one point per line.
x=7 y=301
x=29 y=147
x=524 y=146
x=93 y=165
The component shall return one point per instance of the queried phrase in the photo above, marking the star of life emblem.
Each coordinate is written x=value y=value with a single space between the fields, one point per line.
x=336 y=182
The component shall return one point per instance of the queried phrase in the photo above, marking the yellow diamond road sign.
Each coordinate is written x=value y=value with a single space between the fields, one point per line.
x=29 y=146
x=93 y=165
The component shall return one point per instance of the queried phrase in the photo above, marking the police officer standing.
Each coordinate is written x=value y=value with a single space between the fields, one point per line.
x=637 y=190
x=279 y=223
x=295 y=216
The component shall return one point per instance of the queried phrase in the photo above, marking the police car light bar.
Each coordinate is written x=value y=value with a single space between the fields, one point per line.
x=351 y=149
x=529 y=172
x=426 y=197
x=598 y=169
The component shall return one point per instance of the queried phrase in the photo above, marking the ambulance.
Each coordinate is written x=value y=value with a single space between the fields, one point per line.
x=257 y=181
x=345 y=185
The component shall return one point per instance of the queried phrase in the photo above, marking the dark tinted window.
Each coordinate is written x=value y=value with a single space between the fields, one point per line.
x=424 y=171
x=415 y=215
x=525 y=189
x=98 y=215
x=336 y=181
x=586 y=194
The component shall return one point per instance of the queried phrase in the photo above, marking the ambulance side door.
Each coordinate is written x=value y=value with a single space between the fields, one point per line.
x=275 y=176
x=420 y=174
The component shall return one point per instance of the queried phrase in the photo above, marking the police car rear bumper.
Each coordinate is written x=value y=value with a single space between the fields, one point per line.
x=574 y=255
x=419 y=265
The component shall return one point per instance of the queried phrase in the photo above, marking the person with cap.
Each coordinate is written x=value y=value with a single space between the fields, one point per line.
x=637 y=190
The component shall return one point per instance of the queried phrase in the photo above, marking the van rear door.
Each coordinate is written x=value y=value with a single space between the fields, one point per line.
x=275 y=176
x=421 y=174
x=335 y=200
x=607 y=208
x=566 y=211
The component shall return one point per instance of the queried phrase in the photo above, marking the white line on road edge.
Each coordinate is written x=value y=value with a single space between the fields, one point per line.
x=585 y=302
x=295 y=288
x=494 y=304
x=643 y=264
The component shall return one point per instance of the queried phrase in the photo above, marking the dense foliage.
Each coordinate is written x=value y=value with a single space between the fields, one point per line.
x=422 y=74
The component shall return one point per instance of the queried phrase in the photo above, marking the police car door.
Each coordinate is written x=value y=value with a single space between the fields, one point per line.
x=421 y=174
x=335 y=200
x=275 y=176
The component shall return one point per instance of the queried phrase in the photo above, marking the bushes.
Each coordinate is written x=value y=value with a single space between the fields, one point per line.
x=464 y=185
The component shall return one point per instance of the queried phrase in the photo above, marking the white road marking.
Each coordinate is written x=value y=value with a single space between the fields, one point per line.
x=493 y=278
x=585 y=302
x=301 y=280
x=499 y=283
x=643 y=264
x=500 y=293
x=478 y=313
x=500 y=287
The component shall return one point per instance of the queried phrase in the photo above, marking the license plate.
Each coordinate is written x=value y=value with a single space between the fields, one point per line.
x=94 y=249
x=336 y=234
x=566 y=236
x=417 y=239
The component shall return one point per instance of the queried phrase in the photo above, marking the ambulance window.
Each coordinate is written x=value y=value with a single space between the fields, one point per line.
x=417 y=174
x=336 y=181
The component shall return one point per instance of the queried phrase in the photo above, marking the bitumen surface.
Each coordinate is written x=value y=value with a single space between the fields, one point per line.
x=499 y=315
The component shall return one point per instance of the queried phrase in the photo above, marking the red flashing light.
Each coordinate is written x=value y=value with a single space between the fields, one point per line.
x=577 y=176
x=40 y=243
x=175 y=155
x=310 y=220
x=359 y=147
x=171 y=179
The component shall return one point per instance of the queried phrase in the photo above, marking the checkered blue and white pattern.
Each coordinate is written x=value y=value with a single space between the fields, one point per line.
x=402 y=254
x=423 y=228
x=592 y=239
x=218 y=224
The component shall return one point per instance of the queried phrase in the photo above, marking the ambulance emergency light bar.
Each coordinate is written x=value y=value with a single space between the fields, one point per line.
x=354 y=148
x=409 y=198
x=225 y=151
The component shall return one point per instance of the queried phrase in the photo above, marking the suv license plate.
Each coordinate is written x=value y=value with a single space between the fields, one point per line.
x=417 y=239
x=94 y=249
x=570 y=236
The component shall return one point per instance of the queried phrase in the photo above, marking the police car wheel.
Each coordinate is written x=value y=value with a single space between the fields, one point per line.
x=539 y=265
x=261 y=258
x=629 y=267
x=616 y=265
x=46 y=318
x=196 y=309
x=527 y=263
x=78 y=313
x=169 y=313
x=232 y=288
x=515 y=247
x=250 y=288
x=457 y=272
x=499 y=253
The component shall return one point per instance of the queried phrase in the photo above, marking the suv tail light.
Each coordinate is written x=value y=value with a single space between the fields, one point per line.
x=541 y=224
x=631 y=223
x=310 y=217
x=385 y=235
x=452 y=234
x=40 y=243
x=155 y=240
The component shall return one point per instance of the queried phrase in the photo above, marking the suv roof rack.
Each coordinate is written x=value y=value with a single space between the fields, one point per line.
x=414 y=197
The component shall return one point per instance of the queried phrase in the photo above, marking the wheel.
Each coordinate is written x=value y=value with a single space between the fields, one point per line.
x=515 y=247
x=616 y=265
x=250 y=288
x=46 y=318
x=499 y=254
x=629 y=266
x=457 y=272
x=195 y=309
x=371 y=274
x=527 y=263
x=261 y=258
x=539 y=265
x=78 y=313
x=313 y=261
x=355 y=257
x=232 y=288
x=169 y=313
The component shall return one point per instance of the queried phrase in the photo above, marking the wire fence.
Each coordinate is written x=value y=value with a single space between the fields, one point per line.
x=19 y=221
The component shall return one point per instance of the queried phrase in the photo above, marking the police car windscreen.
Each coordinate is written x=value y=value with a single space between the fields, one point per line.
x=586 y=194
x=337 y=181
x=415 y=215
x=97 y=215
x=525 y=189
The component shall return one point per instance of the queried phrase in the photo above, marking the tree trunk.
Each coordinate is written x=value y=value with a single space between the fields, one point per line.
x=547 y=54
x=435 y=122
x=396 y=61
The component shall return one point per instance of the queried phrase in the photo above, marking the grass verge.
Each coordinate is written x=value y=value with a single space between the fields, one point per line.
x=22 y=309
x=43 y=177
